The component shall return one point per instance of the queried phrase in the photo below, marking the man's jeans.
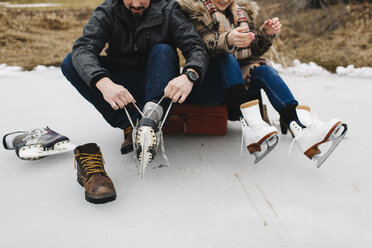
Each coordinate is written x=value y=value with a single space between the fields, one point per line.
x=144 y=83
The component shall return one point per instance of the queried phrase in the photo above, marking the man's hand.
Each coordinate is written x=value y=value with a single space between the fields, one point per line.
x=178 y=89
x=240 y=37
x=116 y=95
x=272 y=26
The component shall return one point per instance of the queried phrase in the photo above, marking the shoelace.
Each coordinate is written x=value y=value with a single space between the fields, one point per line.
x=160 y=125
x=128 y=130
x=92 y=163
x=310 y=126
x=33 y=134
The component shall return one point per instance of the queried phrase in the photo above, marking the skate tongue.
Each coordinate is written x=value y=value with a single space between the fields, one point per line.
x=90 y=148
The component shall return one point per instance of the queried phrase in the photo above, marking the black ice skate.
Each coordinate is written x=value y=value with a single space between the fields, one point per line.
x=36 y=144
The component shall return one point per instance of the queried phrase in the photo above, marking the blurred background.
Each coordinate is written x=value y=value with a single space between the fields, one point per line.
x=330 y=33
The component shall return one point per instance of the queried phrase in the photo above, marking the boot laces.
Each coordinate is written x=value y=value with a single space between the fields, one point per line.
x=92 y=163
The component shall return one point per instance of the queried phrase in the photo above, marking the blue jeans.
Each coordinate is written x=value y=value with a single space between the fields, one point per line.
x=267 y=78
x=145 y=83
x=223 y=72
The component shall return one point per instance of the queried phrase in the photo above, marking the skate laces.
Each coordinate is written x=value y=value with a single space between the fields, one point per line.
x=92 y=163
x=34 y=134
x=160 y=126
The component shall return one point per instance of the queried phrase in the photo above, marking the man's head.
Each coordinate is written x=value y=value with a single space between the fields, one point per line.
x=137 y=7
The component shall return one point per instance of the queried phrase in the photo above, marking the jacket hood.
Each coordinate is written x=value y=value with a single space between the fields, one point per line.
x=196 y=9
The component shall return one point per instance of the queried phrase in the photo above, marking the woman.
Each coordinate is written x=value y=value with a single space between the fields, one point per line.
x=235 y=47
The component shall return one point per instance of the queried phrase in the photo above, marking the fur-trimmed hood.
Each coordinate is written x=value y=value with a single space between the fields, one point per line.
x=196 y=9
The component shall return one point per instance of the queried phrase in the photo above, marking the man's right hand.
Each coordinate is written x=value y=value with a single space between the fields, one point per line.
x=240 y=37
x=116 y=95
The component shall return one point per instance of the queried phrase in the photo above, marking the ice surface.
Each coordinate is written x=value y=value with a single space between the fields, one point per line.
x=209 y=196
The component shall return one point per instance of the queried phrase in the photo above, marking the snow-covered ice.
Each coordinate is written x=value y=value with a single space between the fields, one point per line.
x=210 y=196
x=29 y=5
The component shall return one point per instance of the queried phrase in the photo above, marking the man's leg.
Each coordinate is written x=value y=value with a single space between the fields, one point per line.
x=162 y=67
x=132 y=79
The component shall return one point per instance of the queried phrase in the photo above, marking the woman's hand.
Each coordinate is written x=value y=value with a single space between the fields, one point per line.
x=240 y=37
x=272 y=26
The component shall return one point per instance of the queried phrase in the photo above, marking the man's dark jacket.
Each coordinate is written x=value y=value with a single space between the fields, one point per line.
x=164 y=22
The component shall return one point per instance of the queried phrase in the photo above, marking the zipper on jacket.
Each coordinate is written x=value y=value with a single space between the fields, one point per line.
x=148 y=40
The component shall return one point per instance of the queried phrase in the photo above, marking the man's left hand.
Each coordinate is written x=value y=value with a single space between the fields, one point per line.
x=178 y=89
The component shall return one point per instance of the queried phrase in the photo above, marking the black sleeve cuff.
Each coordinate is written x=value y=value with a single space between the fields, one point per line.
x=195 y=68
x=96 y=78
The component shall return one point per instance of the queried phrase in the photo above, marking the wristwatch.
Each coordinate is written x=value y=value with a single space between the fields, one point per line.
x=192 y=76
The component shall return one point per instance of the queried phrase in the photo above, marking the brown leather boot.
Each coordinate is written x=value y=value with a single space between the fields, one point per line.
x=127 y=145
x=92 y=175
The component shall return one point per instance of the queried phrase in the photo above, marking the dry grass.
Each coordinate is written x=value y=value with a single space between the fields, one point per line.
x=339 y=35
x=335 y=36
x=29 y=38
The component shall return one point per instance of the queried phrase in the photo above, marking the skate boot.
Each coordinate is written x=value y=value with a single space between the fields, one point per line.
x=318 y=139
x=36 y=144
x=127 y=145
x=147 y=135
x=256 y=132
x=91 y=174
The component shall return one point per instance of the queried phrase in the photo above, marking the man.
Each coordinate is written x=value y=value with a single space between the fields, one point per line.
x=141 y=67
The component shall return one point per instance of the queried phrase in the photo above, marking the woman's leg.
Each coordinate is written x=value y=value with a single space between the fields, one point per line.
x=267 y=78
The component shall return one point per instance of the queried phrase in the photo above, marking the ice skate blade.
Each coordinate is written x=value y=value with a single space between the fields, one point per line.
x=33 y=152
x=271 y=142
x=336 y=137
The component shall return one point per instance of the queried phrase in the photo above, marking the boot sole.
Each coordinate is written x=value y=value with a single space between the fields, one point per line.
x=126 y=149
x=95 y=200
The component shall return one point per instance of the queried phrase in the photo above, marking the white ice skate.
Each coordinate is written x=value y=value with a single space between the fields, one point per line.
x=36 y=144
x=256 y=132
x=318 y=139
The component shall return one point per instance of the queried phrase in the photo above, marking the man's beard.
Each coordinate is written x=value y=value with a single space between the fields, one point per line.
x=138 y=8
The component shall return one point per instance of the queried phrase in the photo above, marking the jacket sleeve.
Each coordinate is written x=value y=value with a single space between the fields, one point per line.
x=262 y=42
x=86 y=50
x=185 y=37
x=215 y=43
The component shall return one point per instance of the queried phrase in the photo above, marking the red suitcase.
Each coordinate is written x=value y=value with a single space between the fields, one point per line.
x=197 y=120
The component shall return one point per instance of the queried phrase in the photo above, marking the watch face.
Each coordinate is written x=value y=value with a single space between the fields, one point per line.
x=192 y=76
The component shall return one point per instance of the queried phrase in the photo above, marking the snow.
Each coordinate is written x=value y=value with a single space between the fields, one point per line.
x=209 y=196
x=31 y=5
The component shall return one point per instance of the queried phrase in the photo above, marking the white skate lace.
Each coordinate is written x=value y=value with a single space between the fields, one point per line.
x=312 y=126
x=160 y=126
x=255 y=125
x=34 y=134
